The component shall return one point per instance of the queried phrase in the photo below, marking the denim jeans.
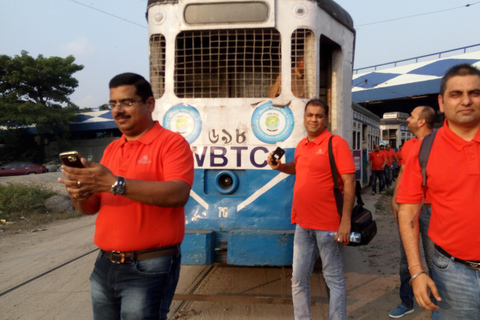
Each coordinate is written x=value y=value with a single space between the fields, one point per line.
x=308 y=245
x=459 y=288
x=140 y=290
x=388 y=175
x=381 y=177
x=406 y=291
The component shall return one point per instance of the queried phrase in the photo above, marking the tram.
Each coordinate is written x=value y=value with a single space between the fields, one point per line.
x=233 y=78
x=394 y=129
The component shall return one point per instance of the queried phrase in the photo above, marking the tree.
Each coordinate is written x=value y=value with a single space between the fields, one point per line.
x=34 y=92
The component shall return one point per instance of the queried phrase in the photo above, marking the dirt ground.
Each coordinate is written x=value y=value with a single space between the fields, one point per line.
x=371 y=272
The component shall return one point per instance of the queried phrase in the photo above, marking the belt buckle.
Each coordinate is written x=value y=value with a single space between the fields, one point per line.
x=473 y=265
x=117 y=257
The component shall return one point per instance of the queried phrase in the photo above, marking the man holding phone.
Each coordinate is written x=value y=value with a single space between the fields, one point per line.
x=314 y=211
x=139 y=189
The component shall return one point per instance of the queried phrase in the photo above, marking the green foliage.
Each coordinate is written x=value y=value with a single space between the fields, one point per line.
x=22 y=208
x=34 y=92
x=16 y=198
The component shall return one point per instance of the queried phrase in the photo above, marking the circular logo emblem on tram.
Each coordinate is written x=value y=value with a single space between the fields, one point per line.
x=185 y=120
x=271 y=124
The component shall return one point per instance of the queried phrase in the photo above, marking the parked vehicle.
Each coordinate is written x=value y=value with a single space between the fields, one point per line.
x=233 y=78
x=20 y=168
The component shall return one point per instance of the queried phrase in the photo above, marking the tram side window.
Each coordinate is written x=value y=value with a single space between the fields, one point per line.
x=231 y=63
x=303 y=63
x=157 y=64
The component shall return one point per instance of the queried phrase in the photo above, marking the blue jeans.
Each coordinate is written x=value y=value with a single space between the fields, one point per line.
x=459 y=288
x=381 y=177
x=308 y=245
x=140 y=290
x=406 y=291
x=388 y=175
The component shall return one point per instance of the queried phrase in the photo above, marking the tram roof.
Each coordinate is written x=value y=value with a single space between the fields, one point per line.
x=330 y=6
x=418 y=79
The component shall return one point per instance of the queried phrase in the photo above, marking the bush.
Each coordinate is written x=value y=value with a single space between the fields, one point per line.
x=23 y=206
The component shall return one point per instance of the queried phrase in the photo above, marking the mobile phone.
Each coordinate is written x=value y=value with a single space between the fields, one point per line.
x=277 y=154
x=71 y=159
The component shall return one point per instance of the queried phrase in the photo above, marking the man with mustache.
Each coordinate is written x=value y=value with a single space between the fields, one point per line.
x=452 y=185
x=139 y=189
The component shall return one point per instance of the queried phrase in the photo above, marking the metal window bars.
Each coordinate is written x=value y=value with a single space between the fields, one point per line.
x=157 y=64
x=231 y=63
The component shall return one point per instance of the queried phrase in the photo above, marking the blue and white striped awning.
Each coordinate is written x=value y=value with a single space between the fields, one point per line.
x=96 y=120
x=411 y=80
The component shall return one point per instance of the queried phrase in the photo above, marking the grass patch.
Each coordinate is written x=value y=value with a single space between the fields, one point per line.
x=22 y=207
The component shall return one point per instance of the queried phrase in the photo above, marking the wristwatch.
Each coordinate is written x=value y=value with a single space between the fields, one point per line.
x=119 y=186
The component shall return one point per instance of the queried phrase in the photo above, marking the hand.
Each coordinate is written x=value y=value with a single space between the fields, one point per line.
x=395 y=210
x=421 y=285
x=343 y=233
x=81 y=183
x=269 y=161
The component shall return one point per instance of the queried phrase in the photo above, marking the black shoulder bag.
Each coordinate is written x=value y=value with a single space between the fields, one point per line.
x=362 y=220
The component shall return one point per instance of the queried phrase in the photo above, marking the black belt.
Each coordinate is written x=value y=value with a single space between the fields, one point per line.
x=132 y=256
x=475 y=265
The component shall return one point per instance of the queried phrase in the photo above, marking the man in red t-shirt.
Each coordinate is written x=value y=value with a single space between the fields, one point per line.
x=139 y=190
x=377 y=159
x=314 y=211
x=420 y=123
x=390 y=153
x=453 y=181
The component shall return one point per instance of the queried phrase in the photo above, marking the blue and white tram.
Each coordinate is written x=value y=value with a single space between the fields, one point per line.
x=233 y=78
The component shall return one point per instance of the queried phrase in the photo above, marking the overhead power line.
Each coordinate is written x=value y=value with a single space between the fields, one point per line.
x=418 y=15
x=109 y=14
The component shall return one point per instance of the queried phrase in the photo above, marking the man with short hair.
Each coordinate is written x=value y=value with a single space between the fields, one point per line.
x=390 y=153
x=139 y=189
x=314 y=211
x=420 y=123
x=378 y=160
x=453 y=184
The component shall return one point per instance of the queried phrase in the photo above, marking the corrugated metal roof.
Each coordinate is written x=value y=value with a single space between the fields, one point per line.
x=407 y=81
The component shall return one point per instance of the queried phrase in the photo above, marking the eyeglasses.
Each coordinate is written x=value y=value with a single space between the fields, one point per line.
x=123 y=103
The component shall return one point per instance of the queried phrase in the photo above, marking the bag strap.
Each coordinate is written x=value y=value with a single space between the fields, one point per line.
x=423 y=155
x=333 y=168
x=358 y=193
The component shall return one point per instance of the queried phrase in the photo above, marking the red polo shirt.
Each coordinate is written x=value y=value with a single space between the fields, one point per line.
x=314 y=205
x=399 y=156
x=408 y=146
x=127 y=225
x=453 y=185
x=390 y=155
x=377 y=158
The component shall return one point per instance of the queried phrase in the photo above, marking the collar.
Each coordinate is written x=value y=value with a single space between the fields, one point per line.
x=321 y=138
x=457 y=142
x=148 y=137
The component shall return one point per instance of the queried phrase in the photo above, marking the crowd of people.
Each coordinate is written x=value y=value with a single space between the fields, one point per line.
x=141 y=185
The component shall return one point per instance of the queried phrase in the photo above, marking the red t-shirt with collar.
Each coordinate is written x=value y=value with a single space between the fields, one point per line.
x=390 y=155
x=453 y=185
x=127 y=225
x=314 y=204
x=408 y=146
x=399 y=156
x=377 y=158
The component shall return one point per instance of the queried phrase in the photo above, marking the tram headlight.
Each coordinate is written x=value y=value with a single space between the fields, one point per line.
x=226 y=182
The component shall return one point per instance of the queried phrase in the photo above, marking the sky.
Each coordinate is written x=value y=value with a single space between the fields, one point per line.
x=109 y=37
